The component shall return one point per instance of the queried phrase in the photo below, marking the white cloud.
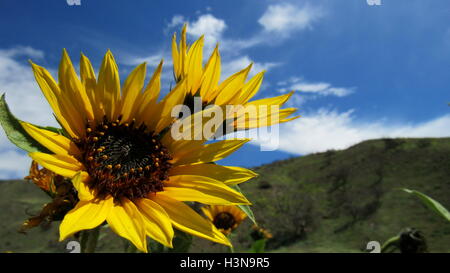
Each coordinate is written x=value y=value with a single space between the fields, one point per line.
x=281 y=20
x=22 y=92
x=213 y=28
x=176 y=21
x=325 y=129
x=206 y=24
x=22 y=51
x=209 y=26
x=26 y=102
x=286 y=18
x=311 y=87
x=318 y=88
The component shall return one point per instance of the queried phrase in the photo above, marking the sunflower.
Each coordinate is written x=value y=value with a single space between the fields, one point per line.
x=225 y=218
x=127 y=170
x=203 y=81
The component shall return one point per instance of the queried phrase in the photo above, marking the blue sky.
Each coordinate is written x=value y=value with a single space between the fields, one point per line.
x=361 y=71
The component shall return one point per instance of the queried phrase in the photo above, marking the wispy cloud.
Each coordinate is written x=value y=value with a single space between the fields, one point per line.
x=176 y=21
x=307 y=90
x=327 y=129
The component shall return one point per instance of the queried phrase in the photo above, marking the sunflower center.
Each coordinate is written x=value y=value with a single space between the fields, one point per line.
x=124 y=161
x=224 y=220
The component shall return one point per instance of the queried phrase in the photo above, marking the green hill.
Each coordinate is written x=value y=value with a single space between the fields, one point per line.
x=335 y=201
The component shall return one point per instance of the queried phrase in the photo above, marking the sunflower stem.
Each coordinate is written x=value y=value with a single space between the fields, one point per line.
x=89 y=239
x=231 y=246
x=231 y=249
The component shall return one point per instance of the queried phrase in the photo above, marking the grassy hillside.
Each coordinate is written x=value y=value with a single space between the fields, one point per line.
x=335 y=201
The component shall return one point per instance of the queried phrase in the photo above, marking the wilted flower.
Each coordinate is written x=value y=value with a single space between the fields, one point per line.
x=61 y=191
x=259 y=233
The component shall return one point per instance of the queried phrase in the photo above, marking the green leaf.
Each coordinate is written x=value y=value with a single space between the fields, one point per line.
x=52 y=129
x=14 y=131
x=431 y=203
x=246 y=209
x=259 y=246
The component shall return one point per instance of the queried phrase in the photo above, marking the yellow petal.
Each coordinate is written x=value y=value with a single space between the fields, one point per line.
x=54 y=142
x=183 y=52
x=280 y=100
x=250 y=88
x=195 y=69
x=164 y=115
x=126 y=220
x=209 y=191
x=85 y=215
x=265 y=118
x=89 y=81
x=71 y=87
x=212 y=152
x=131 y=90
x=108 y=86
x=187 y=220
x=51 y=91
x=207 y=213
x=204 y=197
x=226 y=174
x=79 y=182
x=180 y=148
x=66 y=166
x=158 y=224
x=231 y=87
x=148 y=99
x=289 y=119
x=211 y=76
x=194 y=130
x=284 y=113
x=175 y=58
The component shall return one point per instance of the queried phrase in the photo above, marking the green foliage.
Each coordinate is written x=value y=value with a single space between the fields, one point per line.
x=424 y=143
x=338 y=202
x=53 y=129
x=14 y=131
x=89 y=239
x=308 y=208
x=246 y=209
x=258 y=246
x=431 y=203
x=392 y=143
